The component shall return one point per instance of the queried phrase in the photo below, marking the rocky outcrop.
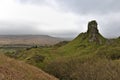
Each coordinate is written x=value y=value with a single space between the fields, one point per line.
x=92 y=27
x=93 y=32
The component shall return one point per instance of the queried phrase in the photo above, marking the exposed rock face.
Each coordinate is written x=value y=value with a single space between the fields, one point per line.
x=92 y=27
x=93 y=32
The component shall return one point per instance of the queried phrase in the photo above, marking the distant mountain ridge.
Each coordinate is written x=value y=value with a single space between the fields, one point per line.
x=29 y=40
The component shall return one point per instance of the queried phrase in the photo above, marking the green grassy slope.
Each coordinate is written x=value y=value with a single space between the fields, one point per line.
x=81 y=60
x=81 y=45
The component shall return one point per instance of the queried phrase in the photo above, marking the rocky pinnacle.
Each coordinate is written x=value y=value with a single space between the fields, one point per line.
x=93 y=32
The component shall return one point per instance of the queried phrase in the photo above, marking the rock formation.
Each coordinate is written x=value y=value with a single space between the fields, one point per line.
x=92 y=27
x=93 y=32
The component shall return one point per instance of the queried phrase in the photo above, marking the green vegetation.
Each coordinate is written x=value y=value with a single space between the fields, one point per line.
x=90 y=69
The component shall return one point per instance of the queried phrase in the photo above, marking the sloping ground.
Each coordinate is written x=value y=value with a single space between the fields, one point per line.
x=11 y=69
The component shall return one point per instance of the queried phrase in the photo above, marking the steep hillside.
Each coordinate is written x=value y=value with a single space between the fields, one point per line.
x=11 y=69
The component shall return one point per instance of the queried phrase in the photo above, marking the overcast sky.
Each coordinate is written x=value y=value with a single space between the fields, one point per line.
x=60 y=18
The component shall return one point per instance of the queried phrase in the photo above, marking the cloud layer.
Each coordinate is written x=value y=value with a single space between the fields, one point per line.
x=91 y=6
x=60 y=18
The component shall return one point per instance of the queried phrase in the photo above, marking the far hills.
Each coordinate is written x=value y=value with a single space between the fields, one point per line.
x=28 y=40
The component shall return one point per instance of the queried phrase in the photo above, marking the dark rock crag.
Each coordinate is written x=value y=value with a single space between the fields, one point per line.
x=93 y=32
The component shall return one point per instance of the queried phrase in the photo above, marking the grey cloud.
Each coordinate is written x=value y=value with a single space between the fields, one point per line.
x=16 y=28
x=111 y=29
x=33 y=1
x=101 y=8
x=64 y=34
x=82 y=6
x=12 y=28
x=90 y=6
x=106 y=11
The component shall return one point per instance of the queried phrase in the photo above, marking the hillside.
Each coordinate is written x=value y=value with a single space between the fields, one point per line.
x=89 y=56
x=11 y=69
x=85 y=42
x=28 y=40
